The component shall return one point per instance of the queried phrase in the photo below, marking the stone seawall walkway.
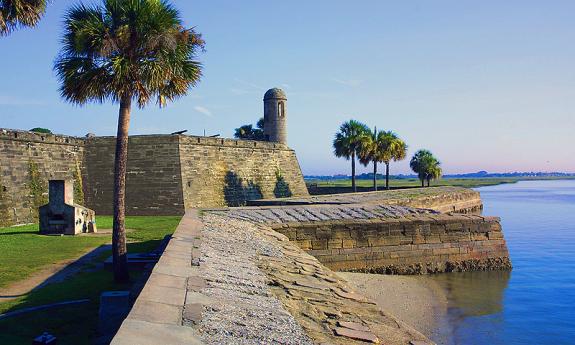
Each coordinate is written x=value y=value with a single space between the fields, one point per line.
x=442 y=199
x=228 y=281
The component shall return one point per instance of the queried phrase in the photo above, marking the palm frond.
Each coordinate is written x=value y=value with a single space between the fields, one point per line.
x=139 y=48
x=20 y=13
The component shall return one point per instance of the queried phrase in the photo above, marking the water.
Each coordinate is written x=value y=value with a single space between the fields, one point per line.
x=535 y=303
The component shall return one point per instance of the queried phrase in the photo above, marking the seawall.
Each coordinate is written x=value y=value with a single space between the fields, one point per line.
x=442 y=199
x=166 y=173
x=387 y=239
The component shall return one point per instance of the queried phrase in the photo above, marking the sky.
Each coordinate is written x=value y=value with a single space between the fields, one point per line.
x=484 y=85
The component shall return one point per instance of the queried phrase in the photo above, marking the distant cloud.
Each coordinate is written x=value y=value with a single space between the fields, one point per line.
x=203 y=110
x=348 y=82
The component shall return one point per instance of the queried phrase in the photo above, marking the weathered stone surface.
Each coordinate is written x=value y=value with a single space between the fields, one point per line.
x=406 y=241
x=149 y=333
x=357 y=335
x=353 y=325
x=193 y=313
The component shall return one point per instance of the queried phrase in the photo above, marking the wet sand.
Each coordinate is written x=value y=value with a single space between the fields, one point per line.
x=417 y=301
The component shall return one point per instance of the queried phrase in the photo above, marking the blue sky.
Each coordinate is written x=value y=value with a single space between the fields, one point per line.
x=485 y=85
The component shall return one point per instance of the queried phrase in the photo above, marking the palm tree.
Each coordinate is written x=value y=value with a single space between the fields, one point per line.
x=347 y=143
x=18 y=13
x=392 y=149
x=426 y=166
x=124 y=51
x=368 y=153
x=433 y=172
x=248 y=132
x=382 y=146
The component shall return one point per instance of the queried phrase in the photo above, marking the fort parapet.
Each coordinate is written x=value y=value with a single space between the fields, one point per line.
x=166 y=173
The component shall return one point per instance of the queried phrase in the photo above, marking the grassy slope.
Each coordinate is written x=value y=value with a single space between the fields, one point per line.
x=402 y=183
x=23 y=251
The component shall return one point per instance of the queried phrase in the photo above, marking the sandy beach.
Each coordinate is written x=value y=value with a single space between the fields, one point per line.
x=415 y=300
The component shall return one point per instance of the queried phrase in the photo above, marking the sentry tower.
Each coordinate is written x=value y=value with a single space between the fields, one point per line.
x=275 y=116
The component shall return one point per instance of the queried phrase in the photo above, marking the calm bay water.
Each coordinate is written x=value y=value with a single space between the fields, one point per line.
x=535 y=303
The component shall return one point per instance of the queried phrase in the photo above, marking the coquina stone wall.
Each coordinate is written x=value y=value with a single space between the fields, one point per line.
x=27 y=161
x=166 y=173
x=153 y=180
x=410 y=245
x=220 y=172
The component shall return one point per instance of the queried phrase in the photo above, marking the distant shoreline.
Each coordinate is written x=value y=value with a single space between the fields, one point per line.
x=401 y=183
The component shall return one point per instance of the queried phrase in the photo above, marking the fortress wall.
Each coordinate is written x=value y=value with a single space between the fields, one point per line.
x=416 y=245
x=27 y=161
x=153 y=181
x=166 y=173
x=219 y=172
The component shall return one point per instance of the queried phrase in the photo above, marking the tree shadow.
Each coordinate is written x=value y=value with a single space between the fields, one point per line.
x=282 y=188
x=237 y=192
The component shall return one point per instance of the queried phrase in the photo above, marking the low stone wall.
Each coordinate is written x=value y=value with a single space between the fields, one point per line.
x=442 y=199
x=411 y=245
x=386 y=238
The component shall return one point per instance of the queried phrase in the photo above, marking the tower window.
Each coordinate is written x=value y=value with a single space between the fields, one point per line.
x=281 y=109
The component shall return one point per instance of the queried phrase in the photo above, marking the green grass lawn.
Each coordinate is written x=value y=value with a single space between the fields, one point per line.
x=413 y=182
x=23 y=251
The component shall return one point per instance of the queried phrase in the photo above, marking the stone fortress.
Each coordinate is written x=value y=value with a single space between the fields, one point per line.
x=167 y=174
x=268 y=263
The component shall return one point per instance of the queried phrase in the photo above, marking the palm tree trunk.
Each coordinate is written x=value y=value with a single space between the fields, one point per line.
x=428 y=180
x=353 y=172
x=387 y=175
x=119 y=251
x=422 y=182
x=375 y=175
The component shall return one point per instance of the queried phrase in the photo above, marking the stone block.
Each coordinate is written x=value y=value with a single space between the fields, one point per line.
x=162 y=294
x=319 y=244
x=148 y=333
x=156 y=312
x=348 y=243
x=166 y=280
x=335 y=243
x=114 y=307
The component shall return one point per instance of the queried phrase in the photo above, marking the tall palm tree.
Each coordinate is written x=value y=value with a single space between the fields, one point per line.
x=18 y=13
x=426 y=166
x=381 y=146
x=124 y=51
x=347 y=143
x=369 y=153
x=433 y=172
x=392 y=149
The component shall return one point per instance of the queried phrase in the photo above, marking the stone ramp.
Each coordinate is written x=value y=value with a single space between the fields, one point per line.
x=223 y=280
x=315 y=213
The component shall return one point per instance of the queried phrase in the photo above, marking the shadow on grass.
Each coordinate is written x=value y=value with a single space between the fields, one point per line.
x=84 y=278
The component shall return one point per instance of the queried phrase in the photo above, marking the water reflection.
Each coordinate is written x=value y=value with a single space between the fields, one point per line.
x=474 y=293
x=477 y=296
